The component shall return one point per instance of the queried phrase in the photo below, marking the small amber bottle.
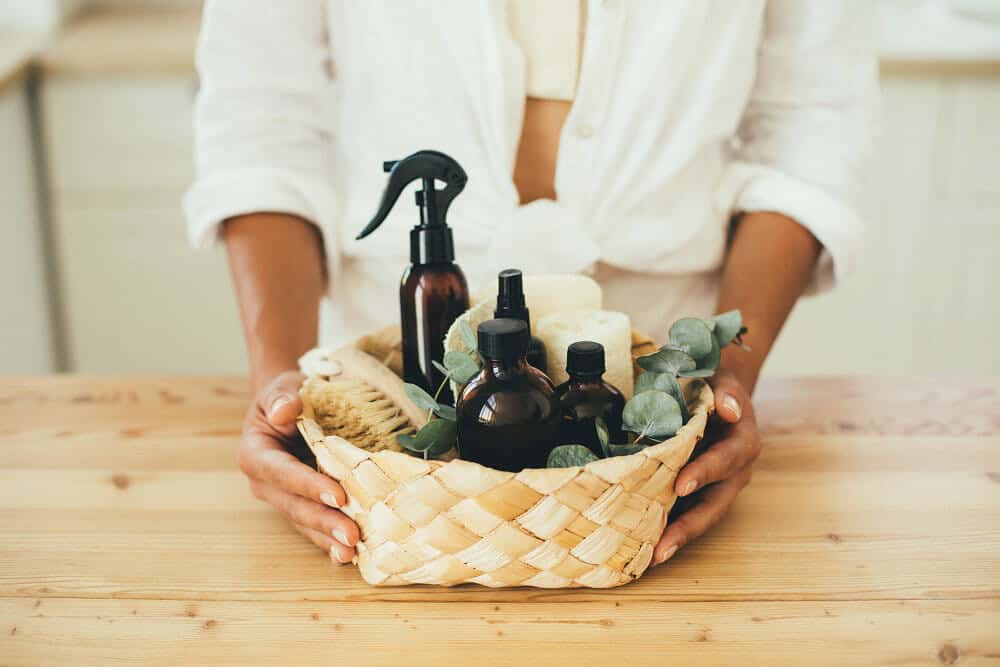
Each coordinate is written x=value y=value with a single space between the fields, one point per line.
x=508 y=414
x=586 y=396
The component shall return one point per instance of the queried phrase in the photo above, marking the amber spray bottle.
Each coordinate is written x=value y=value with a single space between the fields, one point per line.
x=433 y=291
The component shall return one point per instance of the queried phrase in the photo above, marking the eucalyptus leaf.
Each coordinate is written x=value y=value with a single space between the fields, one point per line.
x=441 y=367
x=667 y=360
x=710 y=324
x=435 y=438
x=406 y=441
x=624 y=450
x=692 y=336
x=711 y=360
x=648 y=382
x=446 y=412
x=602 y=435
x=420 y=398
x=652 y=413
x=461 y=367
x=665 y=382
x=468 y=337
x=569 y=456
x=727 y=326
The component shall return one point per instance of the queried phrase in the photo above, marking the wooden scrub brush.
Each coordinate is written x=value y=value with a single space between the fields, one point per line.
x=349 y=394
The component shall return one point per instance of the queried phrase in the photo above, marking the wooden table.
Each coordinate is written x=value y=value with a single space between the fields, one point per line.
x=870 y=535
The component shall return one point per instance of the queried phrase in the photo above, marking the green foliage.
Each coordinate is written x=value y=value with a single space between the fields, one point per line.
x=420 y=398
x=728 y=326
x=692 y=336
x=667 y=360
x=625 y=450
x=666 y=382
x=653 y=414
x=434 y=439
x=602 y=435
x=461 y=367
x=569 y=456
x=468 y=337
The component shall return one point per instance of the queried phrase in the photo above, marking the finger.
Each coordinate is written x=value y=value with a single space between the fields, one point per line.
x=324 y=542
x=337 y=551
x=713 y=505
x=305 y=512
x=738 y=448
x=262 y=458
x=280 y=399
x=730 y=397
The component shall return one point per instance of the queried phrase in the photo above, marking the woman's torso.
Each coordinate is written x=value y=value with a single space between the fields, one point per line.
x=632 y=162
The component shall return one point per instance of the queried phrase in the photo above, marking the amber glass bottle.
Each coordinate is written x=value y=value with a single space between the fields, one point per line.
x=433 y=291
x=508 y=415
x=586 y=396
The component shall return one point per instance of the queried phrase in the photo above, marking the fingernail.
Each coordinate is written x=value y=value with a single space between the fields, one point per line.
x=666 y=554
x=734 y=405
x=329 y=499
x=689 y=488
x=340 y=536
x=277 y=405
x=335 y=555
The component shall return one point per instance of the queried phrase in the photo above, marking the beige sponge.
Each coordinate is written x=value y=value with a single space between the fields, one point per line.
x=611 y=329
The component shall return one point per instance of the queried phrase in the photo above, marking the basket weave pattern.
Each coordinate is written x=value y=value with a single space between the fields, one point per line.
x=447 y=523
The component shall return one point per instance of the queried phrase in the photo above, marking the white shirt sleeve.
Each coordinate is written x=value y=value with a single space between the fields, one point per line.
x=808 y=129
x=262 y=121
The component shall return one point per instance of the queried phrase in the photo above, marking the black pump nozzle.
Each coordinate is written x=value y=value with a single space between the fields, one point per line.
x=510 y=296
x=431 y=240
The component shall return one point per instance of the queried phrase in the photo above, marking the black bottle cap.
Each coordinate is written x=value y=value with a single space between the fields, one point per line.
x=503 y=338
x=585 y=358
x=510 y=296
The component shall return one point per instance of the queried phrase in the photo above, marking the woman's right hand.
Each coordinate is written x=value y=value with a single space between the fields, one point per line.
x=307 y=498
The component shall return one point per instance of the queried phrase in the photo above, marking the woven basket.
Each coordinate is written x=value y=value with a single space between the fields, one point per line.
x=454 y=522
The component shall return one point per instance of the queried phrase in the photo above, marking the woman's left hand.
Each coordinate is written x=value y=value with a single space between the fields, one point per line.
x=725 y=465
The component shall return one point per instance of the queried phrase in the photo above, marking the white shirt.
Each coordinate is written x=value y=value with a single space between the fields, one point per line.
x=686 y=111
x=550 y=36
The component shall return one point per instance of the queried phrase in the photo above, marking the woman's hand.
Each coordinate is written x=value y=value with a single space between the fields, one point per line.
x=725 y=465
x=305 y=497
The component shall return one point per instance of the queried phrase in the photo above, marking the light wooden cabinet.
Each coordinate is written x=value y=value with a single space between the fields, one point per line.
x=26 y=344
x=136 y=297
x=925 y=299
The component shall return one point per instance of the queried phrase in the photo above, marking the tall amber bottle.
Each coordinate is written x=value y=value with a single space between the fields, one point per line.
x=433 y=291
x=586 y=396
x=508 y=415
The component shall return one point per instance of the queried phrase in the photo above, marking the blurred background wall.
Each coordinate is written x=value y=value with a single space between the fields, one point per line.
x=96 y=275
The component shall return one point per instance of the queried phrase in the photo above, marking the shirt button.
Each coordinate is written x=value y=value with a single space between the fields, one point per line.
x=585 y=130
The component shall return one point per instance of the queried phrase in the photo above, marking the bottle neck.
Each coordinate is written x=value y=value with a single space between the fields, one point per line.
x=584 y=381
x=502 y=369
x=514 y=314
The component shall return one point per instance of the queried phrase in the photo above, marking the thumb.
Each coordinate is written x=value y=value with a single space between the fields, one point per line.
x=281 y=403
x=728 y=398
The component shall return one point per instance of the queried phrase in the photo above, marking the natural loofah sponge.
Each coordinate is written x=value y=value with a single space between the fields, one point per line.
x=611 y=329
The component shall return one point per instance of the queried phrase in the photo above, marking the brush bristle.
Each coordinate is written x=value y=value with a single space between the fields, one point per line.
x=353 y=410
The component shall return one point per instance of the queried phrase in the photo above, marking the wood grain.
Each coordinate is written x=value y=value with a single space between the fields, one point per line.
x=167 y=632
x=870 y=535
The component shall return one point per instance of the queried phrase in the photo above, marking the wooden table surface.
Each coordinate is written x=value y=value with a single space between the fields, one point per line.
x=869 y=536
